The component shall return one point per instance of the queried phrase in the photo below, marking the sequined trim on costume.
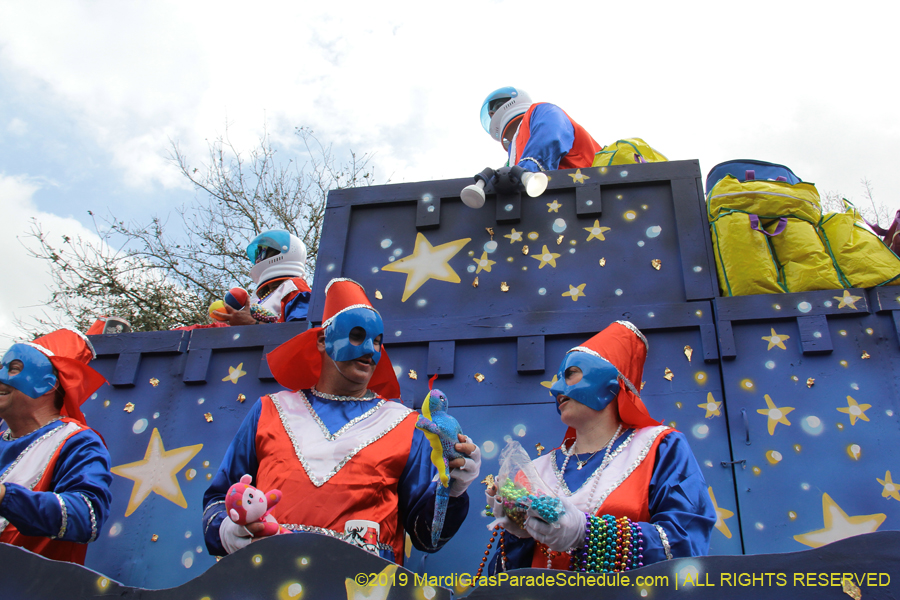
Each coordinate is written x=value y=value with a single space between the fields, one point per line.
x=345 y=309
x=6 y=436
x=90 y=506
x=369 y=395
x=330 y=533
x=635 y=331
x=665 y=540
x=290 y=432
x=339 y=279
x=39 y=348
x=535 y=161
x=627 y=381
x=212 y=516
x=65 y=517
x=597 y=472
x=27 y=450
x=328 y=435
x=640 y=458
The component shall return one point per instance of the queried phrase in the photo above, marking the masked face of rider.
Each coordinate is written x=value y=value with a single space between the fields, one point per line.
x=355 y=334
x=587 y=379
x=28 y=370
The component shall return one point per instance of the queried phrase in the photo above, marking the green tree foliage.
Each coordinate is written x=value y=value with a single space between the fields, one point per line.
x=164 y=273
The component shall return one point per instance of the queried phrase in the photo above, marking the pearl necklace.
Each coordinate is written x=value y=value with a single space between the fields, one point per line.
x=369 y=395
x=607 y=458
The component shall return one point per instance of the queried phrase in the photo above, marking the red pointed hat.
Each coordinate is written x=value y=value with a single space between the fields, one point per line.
x=70 y=352
x=297 y=363
x=625 y=347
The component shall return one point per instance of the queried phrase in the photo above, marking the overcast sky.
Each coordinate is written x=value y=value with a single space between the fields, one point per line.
x=91 y=92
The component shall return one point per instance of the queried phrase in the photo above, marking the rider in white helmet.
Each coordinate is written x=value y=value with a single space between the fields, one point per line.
x=279 y=265
x=538 y=136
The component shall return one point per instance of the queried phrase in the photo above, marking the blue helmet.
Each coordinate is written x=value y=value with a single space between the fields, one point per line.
x=502 y=106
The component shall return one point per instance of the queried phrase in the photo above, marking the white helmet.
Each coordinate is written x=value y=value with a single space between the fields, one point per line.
x=502 y=106
x=276 y=253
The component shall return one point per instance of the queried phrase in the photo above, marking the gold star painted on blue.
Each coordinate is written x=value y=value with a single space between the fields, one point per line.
x=553 y=206
x=157 y=472
x=775 y=414
x=235 y=373
x=711 y=407
x=889 y=489
x=575 y=292
x=839 y=525
x=549 y=384
x=427 y=262
x=855 y=411
x=721 y=515
x=577 y=176
x=374 y=590
x=483 y=263
x=596 y=232
x=776 y=340
x=847 y=300
x=546 y=257
x=514 y=236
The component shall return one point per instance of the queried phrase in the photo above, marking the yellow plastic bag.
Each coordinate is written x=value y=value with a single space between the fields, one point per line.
x=804 y=262
x=627 y=152
x=863 y=258
x=744 y=260
x=768 y=199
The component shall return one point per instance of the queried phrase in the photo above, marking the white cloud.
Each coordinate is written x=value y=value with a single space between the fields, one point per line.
x=17 y=126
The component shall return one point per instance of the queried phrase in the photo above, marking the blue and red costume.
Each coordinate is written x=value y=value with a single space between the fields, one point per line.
x=548 y=139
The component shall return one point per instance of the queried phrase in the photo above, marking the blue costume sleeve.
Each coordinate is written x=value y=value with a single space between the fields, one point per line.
x=240 y=459
x=297 y=307
x=417 y=496
x=81 y=479
x=552 y=136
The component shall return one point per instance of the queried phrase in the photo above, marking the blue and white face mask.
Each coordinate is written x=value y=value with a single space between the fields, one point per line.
x=36 y=377
x=599 y=384
x=337 y=335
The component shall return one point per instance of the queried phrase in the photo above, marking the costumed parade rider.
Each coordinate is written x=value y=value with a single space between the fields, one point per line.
x=282 y=295
x=538 y=136
x=631 y=492
x=348 y=460
x=54 y=487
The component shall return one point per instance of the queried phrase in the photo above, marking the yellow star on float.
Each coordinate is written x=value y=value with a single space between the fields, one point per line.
x=721 y=515
x=711 y=406
x=235 y=373
x=847 y=300
x=553 y=206
x=575 y=292
x=514 y=236
x=427 y=262
x=376 y=590
x=549 y=384
x=483 y=263
x=776 y=340
x=891 y=489
x=838 y=525
x=546 y=257
x=856 y=411
x=776 y=415
x=596 y=231
x=157 y=472
x=577 y=177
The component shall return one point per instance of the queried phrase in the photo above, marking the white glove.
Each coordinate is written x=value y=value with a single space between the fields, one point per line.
x=233 y=536
x=501 y=519
x=567 y=532
x=462 y=477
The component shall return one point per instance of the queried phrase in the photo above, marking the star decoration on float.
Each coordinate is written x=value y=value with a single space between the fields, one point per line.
x=711 y=406
x=157 y=472
x=847 y=300
x=721 y=515
x=575 y=292
x=775 y=414
x=483 y=263
x=367 y=591
x=891 y=489
x=577 y=176
x=546 y=258
x=839 y=525
x=549 y=384
x=427 y=262
x=596 y=232
x=514 y=236
x=235 y=373
x=776 y=340
x=553 y=206
x=855 y=411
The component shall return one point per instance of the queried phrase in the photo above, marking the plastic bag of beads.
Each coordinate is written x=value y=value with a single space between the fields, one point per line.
x=521 y=488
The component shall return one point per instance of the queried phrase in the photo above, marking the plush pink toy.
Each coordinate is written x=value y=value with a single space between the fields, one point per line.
x=246 y=505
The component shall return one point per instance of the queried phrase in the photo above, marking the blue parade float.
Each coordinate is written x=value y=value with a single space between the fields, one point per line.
x=790 y=401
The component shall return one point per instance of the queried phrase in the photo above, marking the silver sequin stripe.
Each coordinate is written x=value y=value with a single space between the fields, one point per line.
x=212 y=516
x=329 y=532
x=665 y=541
x=627 y=381
x=339 y=279
x=635 y=331
x=27 y=450
x=345 y=309
x=315 y=481
x=328 y=435
x=535 y=161
x=644 y=451
x=65 y=518
x=369 y=395
x=90 y=506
